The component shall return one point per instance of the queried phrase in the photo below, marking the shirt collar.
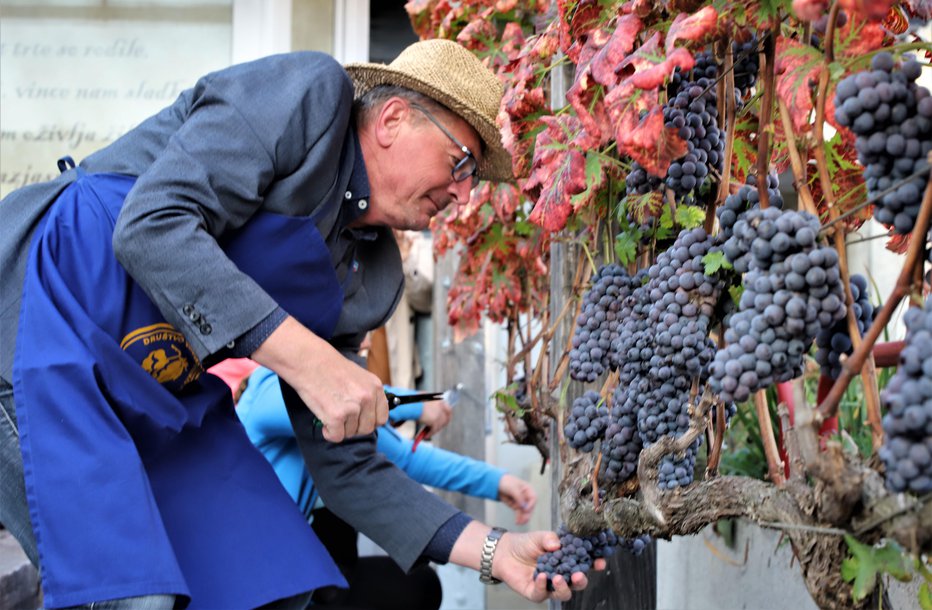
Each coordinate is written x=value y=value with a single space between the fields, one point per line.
x=356 y=197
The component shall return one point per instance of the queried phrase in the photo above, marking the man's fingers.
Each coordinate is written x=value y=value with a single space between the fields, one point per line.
x=334 y=433
x=578 y=581
x=351 y=425
x=381 y=408
x=367 y=415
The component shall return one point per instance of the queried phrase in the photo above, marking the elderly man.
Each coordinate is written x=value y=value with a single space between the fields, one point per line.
x=252 y=218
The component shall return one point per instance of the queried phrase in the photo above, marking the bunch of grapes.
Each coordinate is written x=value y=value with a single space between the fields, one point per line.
x=693 y=111
x=576 y=554
x=639 y=182
x=737 y=204
x=747 y=65
x=636 y=545
x=834 y=341
x=792 y=291
x=621 y=445
x=892 y=118
x=683 y=302
x=907 y=447
x=587 y=422
x=598 y=322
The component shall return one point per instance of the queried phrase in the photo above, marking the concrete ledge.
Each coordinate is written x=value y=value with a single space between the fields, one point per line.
x=19 y=580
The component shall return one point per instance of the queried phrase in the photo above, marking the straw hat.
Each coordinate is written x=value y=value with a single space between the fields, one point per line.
x=447 y=73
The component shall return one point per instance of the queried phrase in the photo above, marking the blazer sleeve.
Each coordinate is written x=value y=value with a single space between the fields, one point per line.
x=366 y=490
x=248 y=127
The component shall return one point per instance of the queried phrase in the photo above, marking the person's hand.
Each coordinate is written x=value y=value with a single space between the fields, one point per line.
x=517 y=495
x=348 y=399
x=516 y=558
x=436 y=415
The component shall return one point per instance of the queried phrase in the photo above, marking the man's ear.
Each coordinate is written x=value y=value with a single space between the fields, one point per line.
x=391 y=118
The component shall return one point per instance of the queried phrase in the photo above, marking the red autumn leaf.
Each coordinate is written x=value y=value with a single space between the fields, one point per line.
x=522 y=102
x=653 y=145
x=576 y=18
x=592 y=44
x=625 y=103
x=557 y=173
x=477 y=33
x=809 y=10
x=859 y=37
x=644 y=70
x=614 y=51
x=585 y=98
x=512 y=41
x=546 y=44
x=869 y=9
x=505 y=6
x=452 y=14
x=641 y=8
x=797 y=67
x=898 y=243
x=692 y=27
x=421 y=12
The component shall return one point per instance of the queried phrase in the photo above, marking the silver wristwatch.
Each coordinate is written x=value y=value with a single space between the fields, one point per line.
x=488 y=552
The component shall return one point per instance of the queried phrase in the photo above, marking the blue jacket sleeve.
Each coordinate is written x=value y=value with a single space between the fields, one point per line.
x=262 y=408
x=439 y=468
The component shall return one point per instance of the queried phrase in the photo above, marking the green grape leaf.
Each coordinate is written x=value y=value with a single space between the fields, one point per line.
x=736 y=292
x=866 y=562
x=925 y=596
x=714 y=262
x=666 y=219
x=626 y=245
x=690 y=216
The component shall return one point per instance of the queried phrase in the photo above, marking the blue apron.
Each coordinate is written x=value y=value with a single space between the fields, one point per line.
x=139 y=476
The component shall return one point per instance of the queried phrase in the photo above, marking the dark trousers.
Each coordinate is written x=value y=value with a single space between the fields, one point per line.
x=375 y=583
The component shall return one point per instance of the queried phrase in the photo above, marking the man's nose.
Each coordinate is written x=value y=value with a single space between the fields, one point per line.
x=460 y=190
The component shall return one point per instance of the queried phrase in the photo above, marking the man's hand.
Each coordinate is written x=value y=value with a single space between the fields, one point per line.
x=516 y=558
x=436 y=415
x=517 y=495
x=347 y=399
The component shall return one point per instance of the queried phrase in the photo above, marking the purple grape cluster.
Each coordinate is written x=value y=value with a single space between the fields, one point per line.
x=598 y=322
x=746 y=66
x=792 y=290
x=636 y=545
x=737 y=204
x=693 y=111
x=834 y=341
x=907 y=448
x=587 y=421
x=892 y=118
x=622 y=443
x=576 y=554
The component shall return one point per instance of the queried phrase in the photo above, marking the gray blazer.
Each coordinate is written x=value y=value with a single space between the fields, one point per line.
x=274 y=134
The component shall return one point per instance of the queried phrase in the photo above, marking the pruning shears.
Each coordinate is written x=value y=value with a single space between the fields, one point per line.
x=394 y=400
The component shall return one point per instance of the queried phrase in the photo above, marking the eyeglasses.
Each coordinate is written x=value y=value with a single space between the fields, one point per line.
x=467 y=167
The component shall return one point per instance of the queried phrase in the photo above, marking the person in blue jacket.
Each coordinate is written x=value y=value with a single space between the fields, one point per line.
x=375 y=583
x=261 y=408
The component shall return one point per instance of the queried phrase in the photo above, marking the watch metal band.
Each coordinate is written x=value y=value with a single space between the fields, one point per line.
x=488 y=552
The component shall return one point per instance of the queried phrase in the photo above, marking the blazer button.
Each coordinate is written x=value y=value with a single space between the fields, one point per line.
x=187 y=309
x=194 y=316
x=206 y=329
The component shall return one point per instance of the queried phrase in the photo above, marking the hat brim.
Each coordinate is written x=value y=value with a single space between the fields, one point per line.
x=496 y=161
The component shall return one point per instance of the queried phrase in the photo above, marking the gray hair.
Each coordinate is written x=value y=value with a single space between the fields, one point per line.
x=371 y=101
